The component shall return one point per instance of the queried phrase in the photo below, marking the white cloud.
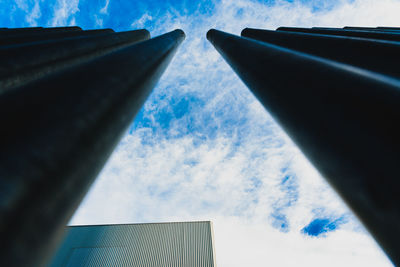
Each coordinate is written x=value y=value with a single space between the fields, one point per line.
x=34 y=14
x=31 y=9
x=22 y=4
x=243 y=243
x=139 y=24
x=104 y=10
x=233 y=177
x=64 y=13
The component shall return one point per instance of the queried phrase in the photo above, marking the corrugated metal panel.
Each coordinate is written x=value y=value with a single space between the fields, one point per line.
x=142 y=245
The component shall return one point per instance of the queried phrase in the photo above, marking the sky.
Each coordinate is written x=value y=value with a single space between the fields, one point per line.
x=203 y=148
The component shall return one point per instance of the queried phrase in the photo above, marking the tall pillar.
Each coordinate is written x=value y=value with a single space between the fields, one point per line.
x=58 y=131
x=345 y=120
x=380 y=35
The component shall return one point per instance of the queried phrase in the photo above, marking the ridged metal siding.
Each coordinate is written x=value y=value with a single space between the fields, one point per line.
x=175 y=244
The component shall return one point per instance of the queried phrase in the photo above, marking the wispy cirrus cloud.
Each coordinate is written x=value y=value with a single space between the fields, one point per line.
x=64 y=13
x=20 y=13
x=104 y=9
x=34 y=14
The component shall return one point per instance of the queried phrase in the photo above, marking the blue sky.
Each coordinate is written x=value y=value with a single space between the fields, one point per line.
x=203 y=148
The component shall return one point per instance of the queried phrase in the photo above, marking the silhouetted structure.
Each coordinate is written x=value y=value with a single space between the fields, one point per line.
x=336 y=92
x=66 y=97
x=141 y=245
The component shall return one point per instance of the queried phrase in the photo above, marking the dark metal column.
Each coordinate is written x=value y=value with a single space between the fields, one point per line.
x=344 y=119
x=23 y=63
x=378 y=29
x=389 y=28
x=57 y=133
x=13 y=39
x=13 y=31
x=372 y=54
x=390 y=36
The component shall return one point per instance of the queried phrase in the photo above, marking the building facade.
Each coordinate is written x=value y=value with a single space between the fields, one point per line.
x=174 y=244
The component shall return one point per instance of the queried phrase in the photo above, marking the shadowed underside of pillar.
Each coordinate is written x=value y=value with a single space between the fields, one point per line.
x=66 y=97
x=336 y=92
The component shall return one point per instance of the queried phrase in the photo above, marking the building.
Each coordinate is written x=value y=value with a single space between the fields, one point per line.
x=152 y=244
